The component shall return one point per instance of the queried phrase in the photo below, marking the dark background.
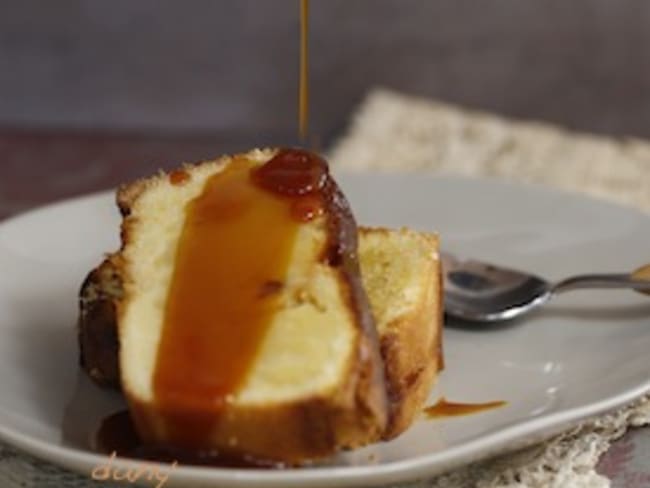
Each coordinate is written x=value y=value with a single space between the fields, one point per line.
x=97 y=92
x=228 y=68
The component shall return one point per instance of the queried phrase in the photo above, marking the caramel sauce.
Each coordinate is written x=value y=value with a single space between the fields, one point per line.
x=178 y=177
x=118 y=435
x=303 y=91
x=307 y=209
x=296 y=173
x=642 y=273
x=292 y=172
x=231 y=262
x=443 y=408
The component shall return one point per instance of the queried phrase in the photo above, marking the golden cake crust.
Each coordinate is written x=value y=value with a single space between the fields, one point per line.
x=411 y=339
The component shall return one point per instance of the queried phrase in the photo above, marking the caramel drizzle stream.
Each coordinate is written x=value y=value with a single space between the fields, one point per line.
x=303 y=93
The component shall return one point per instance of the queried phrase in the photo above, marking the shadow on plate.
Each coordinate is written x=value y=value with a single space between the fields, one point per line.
x=87 y=407
x=482 y=327
x=598 y=313
x=56 y=391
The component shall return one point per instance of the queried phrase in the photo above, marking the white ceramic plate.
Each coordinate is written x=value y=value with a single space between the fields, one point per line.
x=587 y=352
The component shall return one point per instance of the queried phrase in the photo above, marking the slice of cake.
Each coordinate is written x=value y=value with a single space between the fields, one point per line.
x=314 y=382
x=243 y=324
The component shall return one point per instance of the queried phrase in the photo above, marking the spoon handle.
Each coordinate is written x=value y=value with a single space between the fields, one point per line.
x=634 y=280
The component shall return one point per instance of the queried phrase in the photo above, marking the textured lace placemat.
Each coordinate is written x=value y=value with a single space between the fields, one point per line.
x=396 y=132
x=391 y=131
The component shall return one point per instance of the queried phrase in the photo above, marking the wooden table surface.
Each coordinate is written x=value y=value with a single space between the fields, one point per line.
x=40 y=167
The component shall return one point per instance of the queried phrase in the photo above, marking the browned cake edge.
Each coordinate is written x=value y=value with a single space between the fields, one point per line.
x=411 y=347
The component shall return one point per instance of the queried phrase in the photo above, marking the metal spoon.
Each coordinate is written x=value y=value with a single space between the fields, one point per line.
x=482 y=292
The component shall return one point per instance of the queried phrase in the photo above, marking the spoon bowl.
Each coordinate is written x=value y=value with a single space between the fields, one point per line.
x=482 y=292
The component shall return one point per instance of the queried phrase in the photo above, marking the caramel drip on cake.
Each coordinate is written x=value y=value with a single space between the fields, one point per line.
x=231 y=262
